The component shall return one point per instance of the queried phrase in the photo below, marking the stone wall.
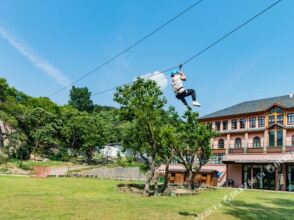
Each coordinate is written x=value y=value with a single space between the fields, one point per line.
x=121 y=173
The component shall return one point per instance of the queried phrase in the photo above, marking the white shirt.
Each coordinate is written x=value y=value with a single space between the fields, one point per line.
x=177 y=84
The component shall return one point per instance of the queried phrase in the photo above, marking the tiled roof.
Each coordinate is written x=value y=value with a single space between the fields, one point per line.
x=253 y=106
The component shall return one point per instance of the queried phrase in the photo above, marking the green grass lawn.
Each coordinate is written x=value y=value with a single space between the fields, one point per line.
x=74 y=198
x=28 y=164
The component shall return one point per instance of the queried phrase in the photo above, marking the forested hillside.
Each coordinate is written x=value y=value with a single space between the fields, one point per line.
x=43 y=128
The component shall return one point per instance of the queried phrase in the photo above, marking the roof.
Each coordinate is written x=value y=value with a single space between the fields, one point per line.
x=269 y=158
x=253 y=106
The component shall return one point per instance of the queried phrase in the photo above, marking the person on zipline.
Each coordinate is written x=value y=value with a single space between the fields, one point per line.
x=177 y=83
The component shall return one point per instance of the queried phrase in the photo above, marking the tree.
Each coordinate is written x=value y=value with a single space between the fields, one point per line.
x=43 y=130
x=141 y=105
x=194 y=150
x=80 y=98
x=84 y=132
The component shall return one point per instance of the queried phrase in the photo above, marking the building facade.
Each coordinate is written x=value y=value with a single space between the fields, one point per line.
x=256 y=143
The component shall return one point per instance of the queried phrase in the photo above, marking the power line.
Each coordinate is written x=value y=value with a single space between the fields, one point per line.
x=128 y=48
x=204 y=50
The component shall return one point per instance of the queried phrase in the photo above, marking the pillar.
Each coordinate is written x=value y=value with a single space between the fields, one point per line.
x=265 y=141
x=284 y=172
x=227 y=146
x=284 y=140
x=251 y=174
x=276 y=178
x=227 y=176
x=246 y=142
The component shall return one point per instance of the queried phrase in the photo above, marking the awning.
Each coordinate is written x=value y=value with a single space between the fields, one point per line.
x=260 y=158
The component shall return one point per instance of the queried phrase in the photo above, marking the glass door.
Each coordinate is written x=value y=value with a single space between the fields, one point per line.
x=290 y=177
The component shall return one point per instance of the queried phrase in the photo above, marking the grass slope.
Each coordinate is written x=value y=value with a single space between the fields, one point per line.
x=70 y=198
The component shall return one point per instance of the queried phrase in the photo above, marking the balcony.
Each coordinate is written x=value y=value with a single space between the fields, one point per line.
x=254 y=150
x=236 y=151
x=274 y=150
x=289 y=149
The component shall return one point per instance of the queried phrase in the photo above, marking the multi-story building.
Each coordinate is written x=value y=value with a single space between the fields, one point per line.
x=256 y=142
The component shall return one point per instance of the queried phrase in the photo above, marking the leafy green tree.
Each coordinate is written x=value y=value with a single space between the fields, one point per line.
x=141 y=104
x=195 y=149
x=80 y=98
x=43 y=130
x=84 y=132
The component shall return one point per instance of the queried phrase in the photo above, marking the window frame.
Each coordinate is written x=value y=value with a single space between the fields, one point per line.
x=239 y=141
x=233 y=121
x=292 y=119
x=252 y=122
x=261 y=118
x=254 y=142
x=221 y=146
x=292 y=140
x=218 y=125
x=242 y=120
x=227 y=123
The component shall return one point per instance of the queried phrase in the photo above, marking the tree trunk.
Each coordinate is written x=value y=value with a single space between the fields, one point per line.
x=191 y=179
x=149 y=177
x=166 y=179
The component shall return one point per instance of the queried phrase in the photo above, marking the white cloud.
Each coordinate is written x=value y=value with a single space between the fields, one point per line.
x=158 y=77
x=32 y=56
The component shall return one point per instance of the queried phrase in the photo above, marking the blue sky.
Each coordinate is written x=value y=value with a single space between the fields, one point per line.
x=46 y=44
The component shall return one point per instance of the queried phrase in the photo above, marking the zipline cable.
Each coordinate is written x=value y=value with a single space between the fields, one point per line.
x=128 y=48
x=202 y=51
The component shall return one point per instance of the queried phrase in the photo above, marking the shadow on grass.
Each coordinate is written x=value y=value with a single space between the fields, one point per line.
x=283 y=209
x=185 y=213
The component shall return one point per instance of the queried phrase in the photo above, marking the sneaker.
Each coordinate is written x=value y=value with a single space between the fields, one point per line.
x=196 y=103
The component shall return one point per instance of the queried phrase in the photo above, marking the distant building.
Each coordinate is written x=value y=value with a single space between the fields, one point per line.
x=256 y=137
x=112 y=151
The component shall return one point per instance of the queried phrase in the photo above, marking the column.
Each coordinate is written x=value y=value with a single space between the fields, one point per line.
x=228 y=144
x=265 y=141
x=251 y=174
x=284 y=140
x=246 y=142
x=276 y=178
x=284 y=172
x=227 y=176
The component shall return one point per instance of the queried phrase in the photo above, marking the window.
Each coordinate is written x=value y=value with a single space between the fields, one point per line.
x=252 y=122
x=272 y=138
x=261 y=122
x=217 y=125
x=225 y=125
x=279 y=110
x=279 y=138
x=293 y=140
x=271 y=119
x=209 y=125
x=291 y=119
x=234 y=124
x=238 y=143
x=280 y=119
x=217 y=159
x=242 y=123
x=221 y=143
x=246 y=174
x=256 y=142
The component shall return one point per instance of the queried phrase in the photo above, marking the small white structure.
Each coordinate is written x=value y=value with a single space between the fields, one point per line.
x=112 y=151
